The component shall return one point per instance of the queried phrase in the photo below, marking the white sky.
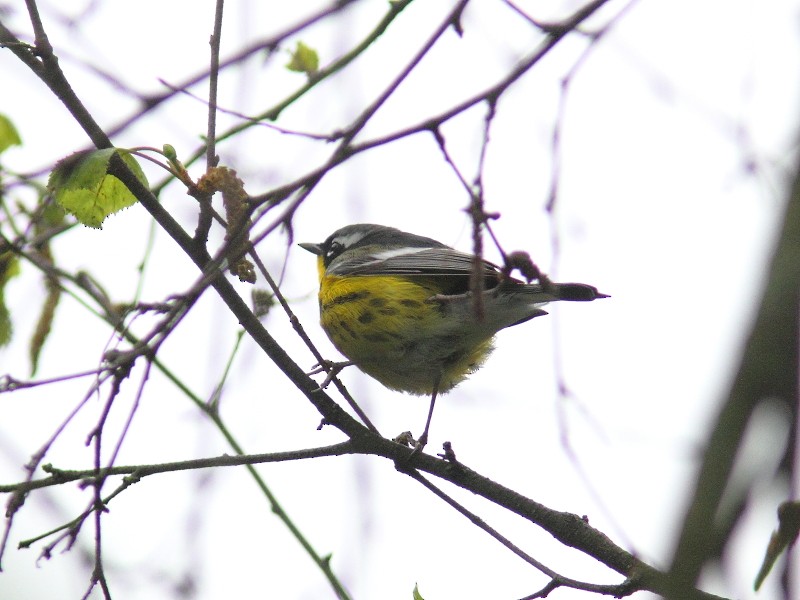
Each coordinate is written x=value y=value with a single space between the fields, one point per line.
x=656 y=207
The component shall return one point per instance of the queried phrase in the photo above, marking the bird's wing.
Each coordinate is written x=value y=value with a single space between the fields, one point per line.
x=409 y=261
x=453 y=269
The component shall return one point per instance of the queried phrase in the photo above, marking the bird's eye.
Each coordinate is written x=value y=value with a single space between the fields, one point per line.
x=334 y=250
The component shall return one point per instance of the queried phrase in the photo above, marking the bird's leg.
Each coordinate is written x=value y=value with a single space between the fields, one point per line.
x=423 y=439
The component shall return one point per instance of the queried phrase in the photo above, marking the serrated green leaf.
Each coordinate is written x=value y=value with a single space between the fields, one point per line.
x=9 y=267
x=8 y=134
x=82 y=185
x=304 y=60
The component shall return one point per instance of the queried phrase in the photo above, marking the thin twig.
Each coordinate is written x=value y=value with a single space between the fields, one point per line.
x=61 y=476
x=271 y=114
x=16 y=501
x=298 y=327
x=344 y=149
x=216 y=40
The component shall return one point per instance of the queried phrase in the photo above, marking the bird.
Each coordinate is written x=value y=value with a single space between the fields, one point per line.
x=405 y=310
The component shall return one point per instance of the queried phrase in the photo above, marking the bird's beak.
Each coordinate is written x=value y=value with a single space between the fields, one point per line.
x=313 y=248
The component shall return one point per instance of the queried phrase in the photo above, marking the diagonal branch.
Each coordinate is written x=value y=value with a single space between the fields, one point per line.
x=768 y=369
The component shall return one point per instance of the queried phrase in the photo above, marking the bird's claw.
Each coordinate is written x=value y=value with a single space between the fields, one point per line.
x=332 y=368
x=406 y=439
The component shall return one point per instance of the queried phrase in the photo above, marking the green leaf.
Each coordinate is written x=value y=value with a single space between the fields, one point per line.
x=9 y=267
x=82 y=185
x=8 y=134
x=304 y=60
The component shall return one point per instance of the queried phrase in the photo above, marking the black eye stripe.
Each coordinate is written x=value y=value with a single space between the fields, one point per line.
x=333 y=250
x=336 y=248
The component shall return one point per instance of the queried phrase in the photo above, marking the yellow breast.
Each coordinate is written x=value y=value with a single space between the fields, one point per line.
x=394 y=330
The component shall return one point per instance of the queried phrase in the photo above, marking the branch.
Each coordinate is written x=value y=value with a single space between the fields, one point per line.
x=137 y=472
x=768 y=369
x=272 y=114
x=570 y=529
x=268 y=44
x=310 y=179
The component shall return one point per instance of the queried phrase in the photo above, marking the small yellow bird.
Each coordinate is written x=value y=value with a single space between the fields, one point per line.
x=399 y=307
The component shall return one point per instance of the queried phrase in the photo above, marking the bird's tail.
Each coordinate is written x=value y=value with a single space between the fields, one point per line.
x=522 y=302
x=573 y=292
x=552 y=292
